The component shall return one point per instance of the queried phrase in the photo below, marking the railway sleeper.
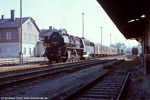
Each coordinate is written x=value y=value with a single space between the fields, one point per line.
x=98 y=96
x=108 y=85
x=103 y=89
x=92 y=99
x=105 y=83
x=101 y=92
x=110 y=81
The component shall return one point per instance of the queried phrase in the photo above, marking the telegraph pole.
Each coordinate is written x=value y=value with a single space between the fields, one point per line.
x=20 y=36
x=82 y=25
x=115 y=41
x=110 y=39
x=101 y=39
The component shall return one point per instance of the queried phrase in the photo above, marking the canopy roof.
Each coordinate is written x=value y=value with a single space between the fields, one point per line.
x=128 y=15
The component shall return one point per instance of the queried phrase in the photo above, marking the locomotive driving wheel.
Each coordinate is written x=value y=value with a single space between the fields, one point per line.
x=60 y=59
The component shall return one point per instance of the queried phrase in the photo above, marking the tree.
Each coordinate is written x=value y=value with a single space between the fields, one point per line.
x=120 y=46
x=123 y=46
x=112 y=45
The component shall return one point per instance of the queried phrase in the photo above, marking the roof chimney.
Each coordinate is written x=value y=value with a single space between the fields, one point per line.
x=12 y=15
x=2 y=17
x=50 y=28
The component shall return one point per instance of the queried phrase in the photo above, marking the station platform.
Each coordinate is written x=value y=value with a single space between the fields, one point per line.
x=9 y=61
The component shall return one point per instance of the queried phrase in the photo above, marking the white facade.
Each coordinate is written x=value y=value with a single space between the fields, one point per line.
x=30 y=37
x=29 y=50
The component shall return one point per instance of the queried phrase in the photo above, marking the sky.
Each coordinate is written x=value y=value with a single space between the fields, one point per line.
x=68 y=14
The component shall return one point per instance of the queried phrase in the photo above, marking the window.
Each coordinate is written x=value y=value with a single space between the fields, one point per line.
x=35 y=38
x=24 y=51
x=8 y=50
x=29 y=36
x=8 y=35
x=30 y=51
x=24 y=36
x=29 y=26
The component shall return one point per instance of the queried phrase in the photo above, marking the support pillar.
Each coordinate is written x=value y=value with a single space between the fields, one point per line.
x=146 y=53
x=147 y=64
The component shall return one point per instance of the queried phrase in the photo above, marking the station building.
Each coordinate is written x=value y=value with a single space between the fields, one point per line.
x=10 y=28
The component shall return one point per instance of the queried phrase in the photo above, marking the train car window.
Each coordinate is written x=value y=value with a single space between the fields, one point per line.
x=87 y=42
x=91 y=44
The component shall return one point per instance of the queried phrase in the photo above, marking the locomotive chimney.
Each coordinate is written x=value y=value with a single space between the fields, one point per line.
x=12 y=15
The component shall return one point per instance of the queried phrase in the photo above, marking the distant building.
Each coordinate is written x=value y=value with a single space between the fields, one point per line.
x=46 y=32
x=9 y=37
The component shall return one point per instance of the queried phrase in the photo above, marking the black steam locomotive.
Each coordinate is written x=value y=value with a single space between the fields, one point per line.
x=63 y=47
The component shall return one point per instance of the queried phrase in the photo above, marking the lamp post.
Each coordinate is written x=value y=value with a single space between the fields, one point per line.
x=82 y=25
x=101 y=39
x=115 y=41
x=20 y=36
x=110 y=39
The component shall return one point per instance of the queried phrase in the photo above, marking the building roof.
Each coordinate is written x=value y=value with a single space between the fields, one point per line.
x=45 y=32
x=126 y=14
x=8 y=23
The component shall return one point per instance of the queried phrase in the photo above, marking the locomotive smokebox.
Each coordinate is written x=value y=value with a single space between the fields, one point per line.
x=56 y=39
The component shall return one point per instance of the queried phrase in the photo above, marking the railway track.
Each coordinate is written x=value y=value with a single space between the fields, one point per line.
x=107 y=87
x=29 y=62
x=22 y=77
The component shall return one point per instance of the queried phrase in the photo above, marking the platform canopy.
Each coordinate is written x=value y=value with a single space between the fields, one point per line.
x=128 y=15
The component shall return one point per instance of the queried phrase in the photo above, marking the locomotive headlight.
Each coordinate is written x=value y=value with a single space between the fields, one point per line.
x=46 y=44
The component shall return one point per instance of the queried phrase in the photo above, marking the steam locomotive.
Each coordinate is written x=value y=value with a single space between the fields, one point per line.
x=62 y=47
